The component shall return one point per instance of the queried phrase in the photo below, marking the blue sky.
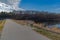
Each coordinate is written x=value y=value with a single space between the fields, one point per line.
x=41 y=5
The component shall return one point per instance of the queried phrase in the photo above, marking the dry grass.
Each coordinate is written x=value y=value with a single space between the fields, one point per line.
x=23 y=22
x=20 y=22
x=48 y=34
x=1 y=24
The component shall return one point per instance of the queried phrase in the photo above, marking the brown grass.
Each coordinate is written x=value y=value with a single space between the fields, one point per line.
x=1 y=24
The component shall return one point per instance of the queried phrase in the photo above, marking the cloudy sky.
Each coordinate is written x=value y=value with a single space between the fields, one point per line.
x=9 y=5
x=39 y=5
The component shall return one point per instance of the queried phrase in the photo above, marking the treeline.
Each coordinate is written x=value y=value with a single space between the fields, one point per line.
x=31 y=15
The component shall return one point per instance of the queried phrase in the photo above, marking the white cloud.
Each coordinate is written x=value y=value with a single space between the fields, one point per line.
x=14 y=3
x=5 y=7
x=9 y=5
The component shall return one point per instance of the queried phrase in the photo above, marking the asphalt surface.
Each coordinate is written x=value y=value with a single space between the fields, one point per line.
x=14 y=31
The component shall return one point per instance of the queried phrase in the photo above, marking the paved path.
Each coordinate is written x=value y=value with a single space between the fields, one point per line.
x=14 y=31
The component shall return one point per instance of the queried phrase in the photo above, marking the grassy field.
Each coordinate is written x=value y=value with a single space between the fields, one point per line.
x=1 y=24
x=46 y=33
